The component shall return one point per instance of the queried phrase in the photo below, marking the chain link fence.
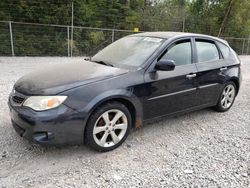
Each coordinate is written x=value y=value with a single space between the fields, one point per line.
x=29 y=39
x=240 y=45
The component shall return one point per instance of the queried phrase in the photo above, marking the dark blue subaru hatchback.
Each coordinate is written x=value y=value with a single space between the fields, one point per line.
x=135 y=79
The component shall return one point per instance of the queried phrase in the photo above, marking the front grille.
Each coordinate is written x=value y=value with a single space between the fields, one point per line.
x=17 y=99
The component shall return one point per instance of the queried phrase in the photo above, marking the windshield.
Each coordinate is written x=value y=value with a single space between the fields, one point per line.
x=129 y=51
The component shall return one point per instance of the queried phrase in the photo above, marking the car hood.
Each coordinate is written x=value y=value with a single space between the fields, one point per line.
x=59 y=77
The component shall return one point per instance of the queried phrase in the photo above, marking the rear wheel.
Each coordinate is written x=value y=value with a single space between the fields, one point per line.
x=227 y=97
x=108 y=126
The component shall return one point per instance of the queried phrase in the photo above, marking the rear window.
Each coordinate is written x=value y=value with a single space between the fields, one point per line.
x=224 y=50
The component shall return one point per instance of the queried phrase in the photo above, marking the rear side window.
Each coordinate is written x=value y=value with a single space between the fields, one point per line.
x=224 y=50
x=180 y=52
x=206 y=51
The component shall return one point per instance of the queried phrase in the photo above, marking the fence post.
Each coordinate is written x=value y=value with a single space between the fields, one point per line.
x=113 y=35
x=248 y=44
x=68 y=41
x=243 y=47
x=72 y=29
x=11 y=39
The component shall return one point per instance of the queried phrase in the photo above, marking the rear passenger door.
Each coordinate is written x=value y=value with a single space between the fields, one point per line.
x=211 y=67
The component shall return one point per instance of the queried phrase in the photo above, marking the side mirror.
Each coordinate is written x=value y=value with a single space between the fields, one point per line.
x=87 y=58
x=165 y=65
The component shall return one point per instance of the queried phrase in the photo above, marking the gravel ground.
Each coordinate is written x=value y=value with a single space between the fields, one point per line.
x=199 y=149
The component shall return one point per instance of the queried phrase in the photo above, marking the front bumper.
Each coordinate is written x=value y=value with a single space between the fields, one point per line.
x=61 y=125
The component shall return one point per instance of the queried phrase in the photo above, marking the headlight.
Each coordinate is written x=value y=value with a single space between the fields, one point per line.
x=40 y=103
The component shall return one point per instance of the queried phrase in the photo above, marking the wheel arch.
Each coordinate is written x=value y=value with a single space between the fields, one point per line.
x=235 y=80
x=133 y=106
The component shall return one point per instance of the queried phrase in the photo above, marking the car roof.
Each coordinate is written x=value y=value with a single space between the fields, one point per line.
x=168 y=35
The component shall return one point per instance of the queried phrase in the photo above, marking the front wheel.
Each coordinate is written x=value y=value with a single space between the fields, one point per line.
x=108 y=126
x=227 y=97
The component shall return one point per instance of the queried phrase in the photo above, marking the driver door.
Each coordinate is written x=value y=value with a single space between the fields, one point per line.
x=172 y=91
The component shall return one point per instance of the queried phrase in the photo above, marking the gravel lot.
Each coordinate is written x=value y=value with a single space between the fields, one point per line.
x=199 y=149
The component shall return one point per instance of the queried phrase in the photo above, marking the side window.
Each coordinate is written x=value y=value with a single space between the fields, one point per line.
x=206 y=51
x=180 y=52
x=224 y=50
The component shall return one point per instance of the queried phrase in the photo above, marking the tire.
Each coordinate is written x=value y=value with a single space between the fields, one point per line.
x=108 y=127
x=226 y=99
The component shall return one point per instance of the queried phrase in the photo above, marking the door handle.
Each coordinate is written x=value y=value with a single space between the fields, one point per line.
x=223 y=68
x=190 y=76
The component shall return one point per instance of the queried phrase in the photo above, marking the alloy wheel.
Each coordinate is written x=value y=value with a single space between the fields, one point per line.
x=228 y=96
x=110 y=128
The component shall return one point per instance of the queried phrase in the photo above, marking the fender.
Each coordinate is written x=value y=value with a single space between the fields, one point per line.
x=233 y=74
x=118 y=94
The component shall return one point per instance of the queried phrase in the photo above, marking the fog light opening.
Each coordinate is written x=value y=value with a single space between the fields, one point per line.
x=42 y=136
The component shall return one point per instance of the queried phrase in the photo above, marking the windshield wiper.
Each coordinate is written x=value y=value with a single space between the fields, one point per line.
x=103 y=63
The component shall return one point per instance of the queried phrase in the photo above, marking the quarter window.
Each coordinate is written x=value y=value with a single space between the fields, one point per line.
x=224 y=50
x=206 y=51
x=180 y=52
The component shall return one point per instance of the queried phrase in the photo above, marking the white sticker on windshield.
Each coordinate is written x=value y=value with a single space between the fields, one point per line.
x=150 y=39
